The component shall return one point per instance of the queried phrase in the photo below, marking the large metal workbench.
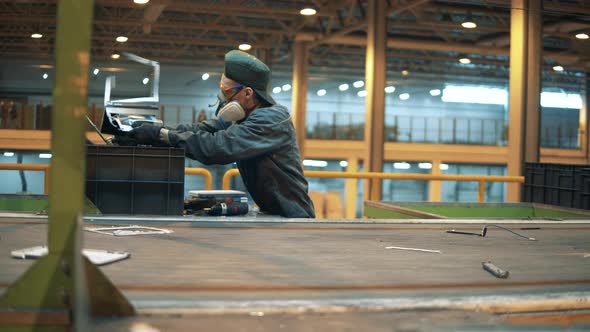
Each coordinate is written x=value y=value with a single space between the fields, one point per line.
x=270 y=274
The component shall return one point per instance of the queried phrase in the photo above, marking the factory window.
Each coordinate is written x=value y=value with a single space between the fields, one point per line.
x=455 y=191
x=405 y=190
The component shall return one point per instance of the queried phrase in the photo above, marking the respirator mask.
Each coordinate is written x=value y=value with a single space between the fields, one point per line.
x=229 y=110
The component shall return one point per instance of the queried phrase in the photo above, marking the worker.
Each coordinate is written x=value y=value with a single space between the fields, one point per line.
x=250 y=129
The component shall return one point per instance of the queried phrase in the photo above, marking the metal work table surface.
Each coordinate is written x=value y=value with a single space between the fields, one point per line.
x=252 y=267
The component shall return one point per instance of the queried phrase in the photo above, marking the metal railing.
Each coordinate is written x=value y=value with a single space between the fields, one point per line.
x=31 y=167
x=480 y=179
x=45 y=169
x=203 y=172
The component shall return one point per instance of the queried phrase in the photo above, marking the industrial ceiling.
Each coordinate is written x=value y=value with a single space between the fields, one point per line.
x=425 y=37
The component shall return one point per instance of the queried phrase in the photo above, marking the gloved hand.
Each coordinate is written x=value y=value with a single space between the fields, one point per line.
x=146 y=134
x=122 y=140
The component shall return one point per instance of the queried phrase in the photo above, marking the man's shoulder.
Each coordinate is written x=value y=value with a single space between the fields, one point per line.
x=273 y=112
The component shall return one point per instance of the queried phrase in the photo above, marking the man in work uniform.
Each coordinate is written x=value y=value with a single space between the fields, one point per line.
x=252 y=130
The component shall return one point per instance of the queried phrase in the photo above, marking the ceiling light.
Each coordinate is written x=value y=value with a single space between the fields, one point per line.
x=45 y=76
x=402 y=165
x=96 y=71
x=358 y=84
x=582 y=36
x=469 y=25
x=321 y=92
x=121 y=39
x=145 y=80
x=245 y=47
x=315 y=163
x=404 y=96
x=424 y=165
x=36 y=35
x=276 y=89
x=405 y=72
x=362 y=93
x=115 y=55
x=558 y=68
x=343 y=87
x=8 y=154
x=443 y=167
x=343 y=163
x=44 y=155
x=205 y=76
x=141 y=2
x=465 y=61
x=286 y=87
x=308 y=11
x=435 y=92
x=389 y=89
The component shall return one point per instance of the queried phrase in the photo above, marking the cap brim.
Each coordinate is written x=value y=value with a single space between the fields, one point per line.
x=264 y=95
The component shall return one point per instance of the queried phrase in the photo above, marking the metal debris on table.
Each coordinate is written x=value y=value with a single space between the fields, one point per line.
x=414 y=249
x=96 y=256
x=494 y=270
x=128 y=230
x=484 y=231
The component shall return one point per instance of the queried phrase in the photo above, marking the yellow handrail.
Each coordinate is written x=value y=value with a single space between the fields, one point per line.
x=31 y=167
x=481 y=179
x=201 y=171
x=45 y=169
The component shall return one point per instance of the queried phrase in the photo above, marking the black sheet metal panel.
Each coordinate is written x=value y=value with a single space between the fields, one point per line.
x=135 y=180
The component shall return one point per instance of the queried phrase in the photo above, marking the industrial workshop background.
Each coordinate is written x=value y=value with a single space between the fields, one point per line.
x=441 y=92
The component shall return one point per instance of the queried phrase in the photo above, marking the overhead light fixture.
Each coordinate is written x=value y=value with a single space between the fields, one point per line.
x=245 y=47
x=358 y=84
x=402 y=165
x=405 y=72
x=424 y=165
x=469 y=25
x=286 y=87
x=362 y=93
x=389 y=89
x=276 y=89
x=435 y=92
x=8 y=154
x=404 y=96
x=315 y=163
x=582 y=36
x=443 y=167
x=141 y=2
x=308 y=11
x=96 y=71
x=558 y=68
x=321 y=92
x=44 y=155
x=465 y=61
x=121 y=39
x=45 y=76
x=145 y=80
x=115 y=55
x=343 y=87
x=36 y=35
x=205 y=76
x=343 y=163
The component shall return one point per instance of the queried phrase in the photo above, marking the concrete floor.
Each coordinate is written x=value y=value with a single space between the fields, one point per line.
x=266 y=274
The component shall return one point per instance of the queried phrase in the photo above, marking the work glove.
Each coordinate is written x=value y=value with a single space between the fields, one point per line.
x=123 y=140
x=146 y=134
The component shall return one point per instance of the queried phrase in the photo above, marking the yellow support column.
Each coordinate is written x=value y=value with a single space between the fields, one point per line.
x=375 y=75
x=350 y=189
